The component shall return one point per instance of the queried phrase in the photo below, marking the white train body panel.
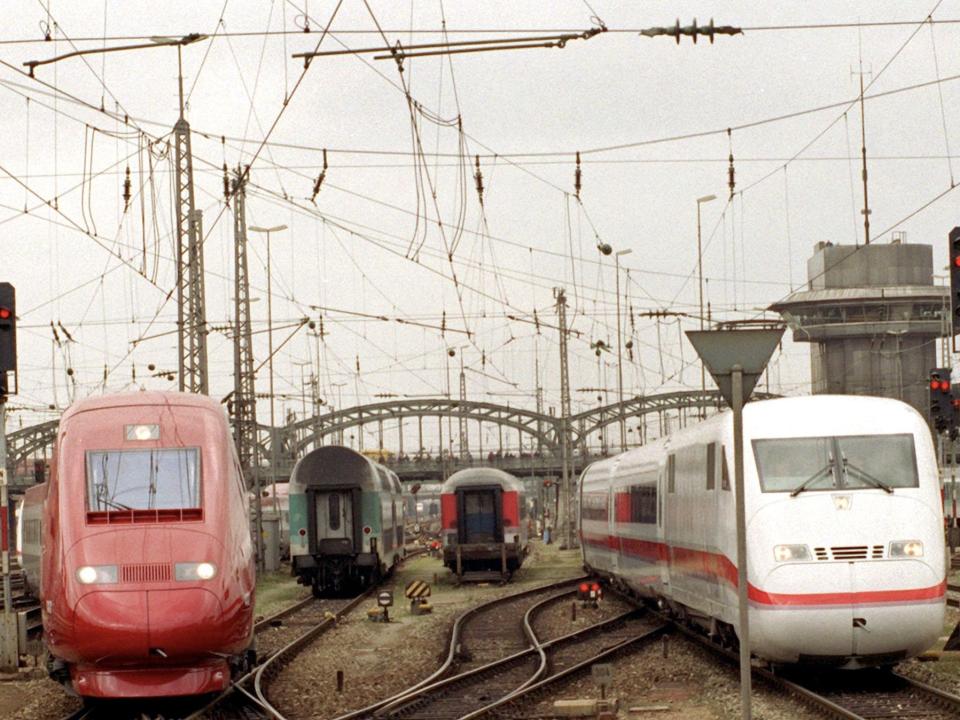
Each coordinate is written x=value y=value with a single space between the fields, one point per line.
x=661 y=520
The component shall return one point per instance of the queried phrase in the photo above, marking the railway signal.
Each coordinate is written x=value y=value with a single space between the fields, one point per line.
x=942 y=409
x=8 y=336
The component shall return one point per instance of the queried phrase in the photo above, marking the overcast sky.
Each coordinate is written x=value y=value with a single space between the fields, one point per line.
x=371 y=242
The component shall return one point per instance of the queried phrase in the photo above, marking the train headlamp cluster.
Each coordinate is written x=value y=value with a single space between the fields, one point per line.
x=791 y=553
x=98 y=575
x=906 y=549
x=194 y=571
x=142 y=432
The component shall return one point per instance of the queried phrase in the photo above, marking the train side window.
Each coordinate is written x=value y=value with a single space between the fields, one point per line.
x=671 y=473
x=333 y=505
x=724 y=472
x=643 y=503
x=711 y=466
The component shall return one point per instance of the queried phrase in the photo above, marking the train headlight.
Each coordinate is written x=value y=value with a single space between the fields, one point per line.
x=195 y=571
x=142 y=432
x=97 y=575
x=791 y=553
x=906 y=548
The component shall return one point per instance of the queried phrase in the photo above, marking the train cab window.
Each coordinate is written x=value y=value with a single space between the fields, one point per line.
x=154 y=479
x=851 y=462
x=333 y=511
x=671 y=473
x=711 y=466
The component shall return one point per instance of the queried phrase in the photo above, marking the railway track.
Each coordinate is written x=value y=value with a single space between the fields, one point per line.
x=953 y=595
x=455 y=660
x=860 y=695
x=486 y=677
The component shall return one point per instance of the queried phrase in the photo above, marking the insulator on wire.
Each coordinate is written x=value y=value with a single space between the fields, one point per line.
x=226 y=184
x=536 y=321
x=478 y=176
x=443 y=324
x=577 y=178
x=126 y=190
x=318 y=183
x=731 y=173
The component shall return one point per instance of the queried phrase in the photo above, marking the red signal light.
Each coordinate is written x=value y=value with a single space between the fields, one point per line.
x=595 y=587
x=944 y=386
x=934 y=384
x=5 y=313
x=956 y=261
x=584 y=587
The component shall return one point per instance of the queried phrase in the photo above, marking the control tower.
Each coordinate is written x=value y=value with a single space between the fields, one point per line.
x=872 y=315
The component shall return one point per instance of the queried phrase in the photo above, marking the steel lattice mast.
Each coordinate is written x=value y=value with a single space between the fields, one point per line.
x=191 y=308
x=244 y=396
x=567 y=523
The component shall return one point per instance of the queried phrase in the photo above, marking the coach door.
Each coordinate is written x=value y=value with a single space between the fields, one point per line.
x=335 y=527
x=480 y=509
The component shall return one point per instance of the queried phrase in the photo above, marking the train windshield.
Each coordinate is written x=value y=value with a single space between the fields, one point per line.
x=154 y=479
x=849 y=462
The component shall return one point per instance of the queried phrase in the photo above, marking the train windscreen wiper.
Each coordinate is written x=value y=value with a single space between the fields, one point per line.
x=862 y=474
x=821 y=473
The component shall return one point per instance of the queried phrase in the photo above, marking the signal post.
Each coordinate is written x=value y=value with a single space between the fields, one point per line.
x=735 y=359
x=9 y=635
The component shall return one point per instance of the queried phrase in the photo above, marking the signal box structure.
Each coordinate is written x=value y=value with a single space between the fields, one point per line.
x=871 y=314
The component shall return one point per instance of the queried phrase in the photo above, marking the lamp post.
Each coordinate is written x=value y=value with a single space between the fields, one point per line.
x=339 y=387
x=623 y=422
x=703 y=374
x=273 y=429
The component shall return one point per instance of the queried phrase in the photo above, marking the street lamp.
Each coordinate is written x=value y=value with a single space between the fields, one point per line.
x=273 y=429
x=703 y=375
x=623 y=422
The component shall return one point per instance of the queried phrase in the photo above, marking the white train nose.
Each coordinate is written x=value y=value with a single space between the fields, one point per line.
x=876 y=610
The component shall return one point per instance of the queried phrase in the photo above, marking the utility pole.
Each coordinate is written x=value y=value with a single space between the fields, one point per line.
x=244 y=392
x=273 y=423
x=703 y=373
x=191 y=307
x=464 y=449
x=623 y=420
x=566 y=518
x=863 y=155
x=536 y=372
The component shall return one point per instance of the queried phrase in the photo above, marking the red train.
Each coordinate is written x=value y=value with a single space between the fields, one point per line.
x=147 y=578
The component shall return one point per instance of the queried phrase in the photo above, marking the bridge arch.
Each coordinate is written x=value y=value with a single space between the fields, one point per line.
x=543 y=428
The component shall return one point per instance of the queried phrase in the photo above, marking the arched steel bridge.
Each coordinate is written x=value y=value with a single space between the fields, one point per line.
x=542 y=430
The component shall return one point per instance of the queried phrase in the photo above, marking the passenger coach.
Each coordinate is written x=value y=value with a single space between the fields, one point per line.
x=483 y=519
x=844 y=528
x=346 y=520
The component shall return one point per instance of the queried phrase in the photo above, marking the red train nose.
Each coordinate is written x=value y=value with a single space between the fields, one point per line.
x=181 y=623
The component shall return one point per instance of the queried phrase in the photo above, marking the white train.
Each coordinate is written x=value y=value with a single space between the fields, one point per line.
x=845 y=558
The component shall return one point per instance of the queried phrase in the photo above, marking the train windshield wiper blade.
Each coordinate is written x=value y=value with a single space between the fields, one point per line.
x=864 y=475
x=115 y=504
x=822 y=472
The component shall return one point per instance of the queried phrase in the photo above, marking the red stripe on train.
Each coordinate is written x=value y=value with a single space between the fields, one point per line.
x=716 y=567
